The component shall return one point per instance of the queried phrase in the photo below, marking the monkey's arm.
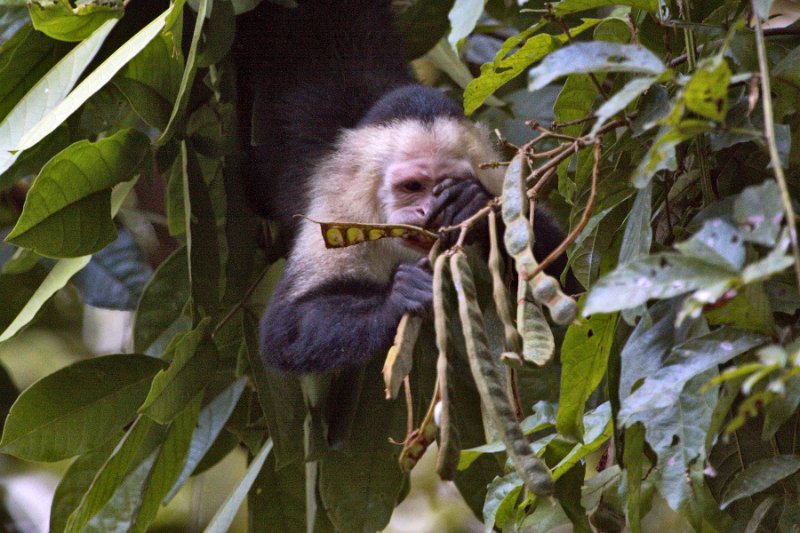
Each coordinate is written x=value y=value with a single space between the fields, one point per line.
x=341 y=323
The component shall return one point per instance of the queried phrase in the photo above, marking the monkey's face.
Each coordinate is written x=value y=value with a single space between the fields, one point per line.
x=406 y=194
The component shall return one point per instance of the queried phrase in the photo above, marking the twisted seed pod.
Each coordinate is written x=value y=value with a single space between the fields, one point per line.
x=490 y=384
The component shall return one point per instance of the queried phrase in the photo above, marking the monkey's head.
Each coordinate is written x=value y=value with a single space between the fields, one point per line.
x=385 y=170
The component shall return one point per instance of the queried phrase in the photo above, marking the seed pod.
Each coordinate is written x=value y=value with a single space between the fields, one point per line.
x=449 y=442
x=490 y=384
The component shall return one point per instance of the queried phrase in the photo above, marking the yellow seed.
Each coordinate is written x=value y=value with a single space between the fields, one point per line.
x=355 y=235
x=334 y=237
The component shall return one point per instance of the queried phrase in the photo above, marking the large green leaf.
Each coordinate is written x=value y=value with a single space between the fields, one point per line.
x=584 y=360
x=655 y=276
x=360 y=487
x=35 y=128
x=150 y=80
x=67 y=211
x=46 y=95
x=77 y=408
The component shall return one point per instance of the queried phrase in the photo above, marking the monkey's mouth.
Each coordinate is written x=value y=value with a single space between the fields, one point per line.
x=418 y=243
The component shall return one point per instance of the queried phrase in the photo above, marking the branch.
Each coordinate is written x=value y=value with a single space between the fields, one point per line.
x=769 y=133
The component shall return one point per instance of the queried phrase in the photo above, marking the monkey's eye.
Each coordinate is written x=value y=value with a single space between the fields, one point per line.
x=412 y=186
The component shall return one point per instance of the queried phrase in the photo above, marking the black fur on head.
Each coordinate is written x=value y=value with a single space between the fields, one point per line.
x=415 y=102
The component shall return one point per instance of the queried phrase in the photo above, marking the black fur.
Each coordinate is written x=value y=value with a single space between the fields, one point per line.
x=412 y=102
x=304 y=74
x=342 y=323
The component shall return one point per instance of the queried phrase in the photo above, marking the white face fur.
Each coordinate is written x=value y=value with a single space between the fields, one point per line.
x=385 y=163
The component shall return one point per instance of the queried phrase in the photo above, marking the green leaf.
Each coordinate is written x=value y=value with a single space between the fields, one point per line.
x=620 y=100
x=46 y=95
x=201 y=237
x=150 y=80
x=565 y=7
x=584 y=360
x=707 y=91
x=281 y=400
x=758 y=213
x=656 y=276
x=599 y=430
x=717 y=243
x=575 y=101
x=661 y=155
x=501 y=497
x=50 y=117
x=223 y=518
x=595 y=56
x=506 y=67
x=218 y=35
x=67 y=211
x=192 y=367
x=158 y=315
x=638 y=237
x=760 y=475
x=59 y=20
x=77 y=408
x=422 y=25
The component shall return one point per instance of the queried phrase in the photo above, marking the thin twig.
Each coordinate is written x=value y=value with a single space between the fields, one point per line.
x=769 y=132
x=247 y=294
x=555 y=254
x=409 y=406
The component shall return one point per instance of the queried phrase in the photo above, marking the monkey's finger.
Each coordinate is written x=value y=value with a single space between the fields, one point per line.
x=424 y=263
x=444 y=184
x=448 y=197
x=466 y=211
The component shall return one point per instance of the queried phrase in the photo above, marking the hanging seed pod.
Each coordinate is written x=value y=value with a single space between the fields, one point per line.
x=518 y=239
x=449 y=444
x=489 y=382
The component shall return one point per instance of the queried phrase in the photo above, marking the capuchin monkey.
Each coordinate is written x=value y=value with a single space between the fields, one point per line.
x=340 y=132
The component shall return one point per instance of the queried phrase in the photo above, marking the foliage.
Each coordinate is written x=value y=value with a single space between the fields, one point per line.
x=664 y=135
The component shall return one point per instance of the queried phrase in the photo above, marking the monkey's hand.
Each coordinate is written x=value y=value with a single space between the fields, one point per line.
x=412 y=289
x=455 y=201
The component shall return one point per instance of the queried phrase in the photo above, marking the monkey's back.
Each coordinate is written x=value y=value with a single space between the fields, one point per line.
x=304 y=74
